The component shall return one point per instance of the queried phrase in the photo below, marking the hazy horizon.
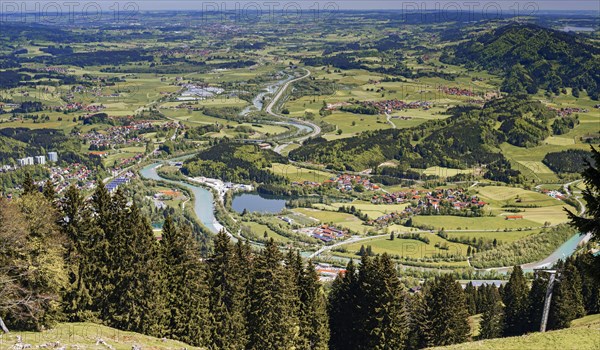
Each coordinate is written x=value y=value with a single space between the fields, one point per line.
x=159 y=5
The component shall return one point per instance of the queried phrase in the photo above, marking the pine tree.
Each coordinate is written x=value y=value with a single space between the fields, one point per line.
x=590 y=286
x=590 y=221
x=417 y=314
x=76 y=225
x=491 y=321
x=185 y=285
x=314 y=327
x=567 y=302
x=516 y=299
x=48 y=191
x=471 y=295
x=272 y=321
x=136 y=301
x=537 y=297
x=446 y=313
x=226 y=297
x=388 y=310
x=591 y=195
x=29 y=186
x=342 y=310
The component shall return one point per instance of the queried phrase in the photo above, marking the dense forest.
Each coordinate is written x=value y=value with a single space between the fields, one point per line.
x=98 y=260
x=235 y=162
x=533 y=58
x=569 y=161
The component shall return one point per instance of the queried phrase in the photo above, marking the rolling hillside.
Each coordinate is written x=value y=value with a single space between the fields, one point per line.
x=88 y=336
x=583 y=334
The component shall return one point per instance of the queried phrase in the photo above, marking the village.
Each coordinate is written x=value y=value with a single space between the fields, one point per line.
x=447 y=202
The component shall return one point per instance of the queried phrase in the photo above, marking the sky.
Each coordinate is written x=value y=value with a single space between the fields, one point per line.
x=544 y=5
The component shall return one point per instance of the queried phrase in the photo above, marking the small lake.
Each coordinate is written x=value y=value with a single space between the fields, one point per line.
x=255 y=202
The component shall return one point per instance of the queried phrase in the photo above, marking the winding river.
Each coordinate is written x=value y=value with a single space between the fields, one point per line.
x=203 y=199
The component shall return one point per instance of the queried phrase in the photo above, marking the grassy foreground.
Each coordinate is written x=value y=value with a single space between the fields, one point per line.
x=583 y=334
x=86 y=336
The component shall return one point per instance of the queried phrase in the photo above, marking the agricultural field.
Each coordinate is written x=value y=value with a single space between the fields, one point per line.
x=260 y=229
x=343 y=220
x=439 y=222
x=501 y=236
x=299 y=174
x=409 y=248
x=499 y=196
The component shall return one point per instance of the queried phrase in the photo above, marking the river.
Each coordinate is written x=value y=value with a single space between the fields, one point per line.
x=203 y=203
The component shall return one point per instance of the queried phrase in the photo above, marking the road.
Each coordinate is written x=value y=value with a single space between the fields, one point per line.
x=389 y=120
x=581 y=204
x=316 y=130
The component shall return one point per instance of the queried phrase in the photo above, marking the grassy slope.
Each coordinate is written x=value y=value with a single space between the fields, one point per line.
x=85 y=335
x=583 y=334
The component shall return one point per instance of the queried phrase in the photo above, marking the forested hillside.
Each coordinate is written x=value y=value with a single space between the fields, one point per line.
x=70 y=259
x=469 y=137
x=532 y=58
x=235 y=162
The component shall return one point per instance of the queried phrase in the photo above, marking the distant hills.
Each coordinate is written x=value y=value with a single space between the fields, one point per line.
x=532 y=58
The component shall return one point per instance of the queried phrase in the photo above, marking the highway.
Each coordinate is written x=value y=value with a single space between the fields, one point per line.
x=316 y=130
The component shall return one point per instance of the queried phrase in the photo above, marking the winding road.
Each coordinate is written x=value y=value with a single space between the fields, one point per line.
x=316 y=130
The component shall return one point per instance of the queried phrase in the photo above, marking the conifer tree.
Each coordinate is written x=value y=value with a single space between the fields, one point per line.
x=537 y=297
x=388 y=311
x=314 y=327
x=491 y=321
x=590 y=286
x=567 y=302
x=590 y=222
x=446 y=312
x=226 y=300
x=516 y=300
x=471 y=295
x=76 y=225
x=272 y=321
x=342 y=309
x=48 y=191
x=185 y=286
x=136 y=301
x=29 y=186
x=417 y=313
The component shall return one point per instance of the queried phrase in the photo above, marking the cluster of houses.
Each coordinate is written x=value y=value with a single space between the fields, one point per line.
x=77 y=106
x=456 y=91
x=388 y=106
x=117 y=135
x=458 y=197
x=76 y=174
x=567 y=111
x=346 y=182
x=554 y=194
x=328 y=233
x=425 y=201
